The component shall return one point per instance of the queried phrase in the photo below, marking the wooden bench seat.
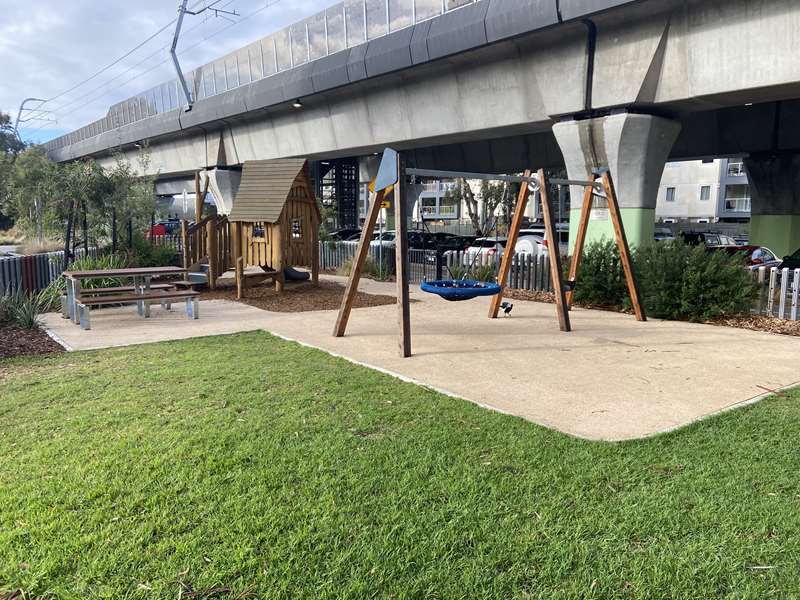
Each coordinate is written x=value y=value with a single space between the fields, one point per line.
x=124 y=289
x=165 y=297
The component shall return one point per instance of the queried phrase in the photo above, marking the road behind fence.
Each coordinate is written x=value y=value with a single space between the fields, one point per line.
x=35 y=272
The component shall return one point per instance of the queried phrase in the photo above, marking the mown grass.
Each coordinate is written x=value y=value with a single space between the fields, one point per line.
x=246 y=466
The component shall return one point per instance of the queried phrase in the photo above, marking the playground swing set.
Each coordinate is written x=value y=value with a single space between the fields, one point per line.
x=392 y=178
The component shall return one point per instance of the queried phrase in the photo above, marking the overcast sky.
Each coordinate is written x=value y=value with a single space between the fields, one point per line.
x=48 y=46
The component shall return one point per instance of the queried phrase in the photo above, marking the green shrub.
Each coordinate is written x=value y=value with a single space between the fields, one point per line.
x=600 y=280
x=21 y=310
x=146 y=254
x=676 y=281
x=475 y=272
x=683 y=282
x=51 y=295
x=371 y=268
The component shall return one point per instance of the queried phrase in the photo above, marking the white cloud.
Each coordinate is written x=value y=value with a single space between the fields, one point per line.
x=47 y=46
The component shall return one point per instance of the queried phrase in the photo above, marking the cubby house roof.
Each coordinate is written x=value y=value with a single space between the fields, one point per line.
x=265 y=189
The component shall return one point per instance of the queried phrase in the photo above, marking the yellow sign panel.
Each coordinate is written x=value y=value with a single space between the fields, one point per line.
x=386 y=204
x=386 y=192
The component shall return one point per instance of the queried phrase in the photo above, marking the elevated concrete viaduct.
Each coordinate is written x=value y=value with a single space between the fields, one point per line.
x=502 y=85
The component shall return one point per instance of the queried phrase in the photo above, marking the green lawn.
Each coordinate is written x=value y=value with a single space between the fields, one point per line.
x=258 y=466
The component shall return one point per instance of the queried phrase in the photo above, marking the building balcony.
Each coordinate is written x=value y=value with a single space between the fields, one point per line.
x=737 y=205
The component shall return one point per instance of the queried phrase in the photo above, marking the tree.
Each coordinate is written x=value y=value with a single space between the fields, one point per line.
x=10 y=146
x=482 y=207
x=9 y=142
x=32 y=188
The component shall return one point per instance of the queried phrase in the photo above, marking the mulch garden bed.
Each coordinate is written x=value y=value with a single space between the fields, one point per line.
x=15 y=341
x=298 y=297
x=752 y=322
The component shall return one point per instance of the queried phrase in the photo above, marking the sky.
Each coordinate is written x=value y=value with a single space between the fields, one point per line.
x=49 y=46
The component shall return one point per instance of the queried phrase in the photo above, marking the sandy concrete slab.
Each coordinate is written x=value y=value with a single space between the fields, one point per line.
x=612 y=378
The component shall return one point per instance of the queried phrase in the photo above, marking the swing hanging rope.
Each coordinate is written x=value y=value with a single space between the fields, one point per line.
x=459 y=290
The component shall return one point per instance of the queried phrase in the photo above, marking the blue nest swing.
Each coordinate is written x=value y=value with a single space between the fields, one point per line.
x=457 y=290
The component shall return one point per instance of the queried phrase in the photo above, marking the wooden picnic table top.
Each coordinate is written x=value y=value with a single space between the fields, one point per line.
x=133 y=272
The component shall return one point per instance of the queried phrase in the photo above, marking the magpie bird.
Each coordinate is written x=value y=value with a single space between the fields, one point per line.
x=507 y=308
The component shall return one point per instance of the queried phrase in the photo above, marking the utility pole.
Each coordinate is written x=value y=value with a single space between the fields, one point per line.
x=173 y=50
x=23 y=109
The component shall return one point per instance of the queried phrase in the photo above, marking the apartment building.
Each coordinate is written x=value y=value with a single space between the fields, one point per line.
x=704 y=192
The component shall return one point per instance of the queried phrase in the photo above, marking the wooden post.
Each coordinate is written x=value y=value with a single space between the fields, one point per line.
x=622 y=244
x=401 y=261
x=314 y=252
x=239 y=278
x=508 y=255
x=277 y=253
x=358 y=263
x=238 y=260
x=185 y=242
x=211 y=240
x=553 y=249
x=580 y=241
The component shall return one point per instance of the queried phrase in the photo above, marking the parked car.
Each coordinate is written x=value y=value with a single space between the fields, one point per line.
x=165 y=227
x=341 y=235
x=792 y=261
x=755 y=256
x=484 y=249
x=385 y=239
x=534 y=245
x=539 y=230
x=708 y=238
x=664 y=234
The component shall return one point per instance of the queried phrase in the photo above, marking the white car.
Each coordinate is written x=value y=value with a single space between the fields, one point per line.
x=387 y=239
x=538 y=230
x=484 y=250
x=535 y=245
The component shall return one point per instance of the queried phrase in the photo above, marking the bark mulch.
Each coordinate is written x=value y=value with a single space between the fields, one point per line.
x=15 y=341
x=298 y=297
x=752 y=322
x=758 y=323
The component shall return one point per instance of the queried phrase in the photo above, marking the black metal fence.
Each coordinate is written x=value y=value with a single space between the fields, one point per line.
x=528 y=272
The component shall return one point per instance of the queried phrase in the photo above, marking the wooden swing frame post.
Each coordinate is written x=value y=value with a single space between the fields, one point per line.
x=376 y=199
x=621 y=239
x=513 y=236
x=556 y=273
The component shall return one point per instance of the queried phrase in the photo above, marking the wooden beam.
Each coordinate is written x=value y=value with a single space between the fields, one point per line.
x=401 y=261
x=508 y=255
x=238 y=261
x=376 y=199
x=580 y=241
x=624 y=248
x=185 y=243
x=211 y=241
x=554 y=250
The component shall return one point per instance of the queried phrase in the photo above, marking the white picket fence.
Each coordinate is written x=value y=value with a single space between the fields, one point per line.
x=35 y=272
x=778 y=293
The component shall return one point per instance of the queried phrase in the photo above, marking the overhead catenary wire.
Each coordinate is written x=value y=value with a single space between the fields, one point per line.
x=61 y=110
x=116 y=61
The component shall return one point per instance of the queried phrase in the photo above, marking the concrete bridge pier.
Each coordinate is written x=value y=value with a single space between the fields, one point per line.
x=775 y=201
x=635 y=147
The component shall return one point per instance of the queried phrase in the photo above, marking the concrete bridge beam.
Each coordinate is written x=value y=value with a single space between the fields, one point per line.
x=635 y=147
x=775 y=201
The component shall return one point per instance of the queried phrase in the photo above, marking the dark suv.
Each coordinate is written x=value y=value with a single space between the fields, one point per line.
x=791 y=262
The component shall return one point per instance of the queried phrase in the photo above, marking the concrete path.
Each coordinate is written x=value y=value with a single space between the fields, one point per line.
x=611 y=379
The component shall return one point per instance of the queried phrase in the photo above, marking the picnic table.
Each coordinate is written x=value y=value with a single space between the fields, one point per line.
x=142 y=292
